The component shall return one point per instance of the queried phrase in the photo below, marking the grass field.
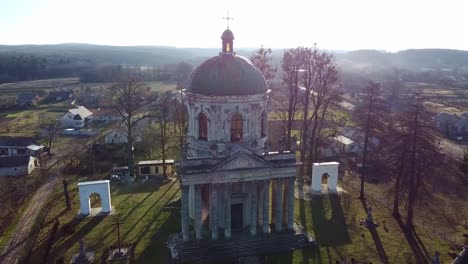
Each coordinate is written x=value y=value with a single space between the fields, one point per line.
x=331 y=220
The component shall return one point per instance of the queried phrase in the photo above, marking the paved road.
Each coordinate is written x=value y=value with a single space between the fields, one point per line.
x=15 y=247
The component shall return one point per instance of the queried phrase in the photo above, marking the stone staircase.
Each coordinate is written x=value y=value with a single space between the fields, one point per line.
x=242 y=246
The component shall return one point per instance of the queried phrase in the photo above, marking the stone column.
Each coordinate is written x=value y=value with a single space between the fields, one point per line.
x=213 y=212
x=253 y=208
x=227 y=204
x=290 y=195
x=266 y=206
x=279 y=206
x=260 y=186
x=185 y=213
x=198 y=211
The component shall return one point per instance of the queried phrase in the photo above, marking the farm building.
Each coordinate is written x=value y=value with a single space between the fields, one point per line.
x=76 y=117
x=154 y=167
x=27 y=99
x=10 y=146
x=20 y=165
x=60 y=96
x=105 y=115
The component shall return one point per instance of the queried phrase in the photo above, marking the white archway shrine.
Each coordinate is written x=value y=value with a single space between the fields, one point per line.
x=102 y=188
x=328 y=168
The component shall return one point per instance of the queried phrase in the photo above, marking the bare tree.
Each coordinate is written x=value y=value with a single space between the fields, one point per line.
x=161 y=115
x=49 y=128
x=324 y=93
x=418 y=154
x=262 y=59
x=370 y=114
x=132 y=102
x=291 y=64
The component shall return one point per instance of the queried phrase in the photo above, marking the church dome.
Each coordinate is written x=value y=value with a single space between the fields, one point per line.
x=227 y=74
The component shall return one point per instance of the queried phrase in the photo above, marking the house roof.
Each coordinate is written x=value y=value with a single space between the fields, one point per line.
x=82 y=111
x=62 y=94
x=154 y=162
x=104 y=112
x=26 y=97
x=16 y=141
x=352 y=132
x=14 y=161
x=447 y=117
x=344 y=140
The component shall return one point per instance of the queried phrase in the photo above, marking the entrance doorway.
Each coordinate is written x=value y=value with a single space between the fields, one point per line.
x=237 y=216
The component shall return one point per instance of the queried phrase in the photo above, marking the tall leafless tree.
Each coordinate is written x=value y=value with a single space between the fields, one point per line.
x=162 y=116
x=133 y=104
x=262 y=59
x=371 y=115
x=49 y=128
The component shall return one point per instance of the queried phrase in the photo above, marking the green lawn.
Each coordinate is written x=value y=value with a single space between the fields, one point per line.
x=331 y=220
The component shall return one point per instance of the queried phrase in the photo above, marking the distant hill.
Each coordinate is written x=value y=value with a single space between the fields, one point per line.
x=100 y=62
x=413 y=59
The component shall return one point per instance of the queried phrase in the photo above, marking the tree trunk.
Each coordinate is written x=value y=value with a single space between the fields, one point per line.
x=364 y=154
x=66 y=194
x=412 y=187
x=396 y=198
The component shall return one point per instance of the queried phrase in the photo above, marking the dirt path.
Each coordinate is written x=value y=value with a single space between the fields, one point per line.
x=16 y=246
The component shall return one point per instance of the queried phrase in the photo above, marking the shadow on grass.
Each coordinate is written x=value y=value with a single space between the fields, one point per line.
x=375 y=236
x=333 y=231
x=60 y=249
x=156 y=251
x=416 y=245
x=148 y=186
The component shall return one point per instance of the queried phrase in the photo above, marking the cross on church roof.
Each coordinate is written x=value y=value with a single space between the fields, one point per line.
x=228 y=18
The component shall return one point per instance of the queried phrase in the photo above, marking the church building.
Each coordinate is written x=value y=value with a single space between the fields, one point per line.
x=229 y=177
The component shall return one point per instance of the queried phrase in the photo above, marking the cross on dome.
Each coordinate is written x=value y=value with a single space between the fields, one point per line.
x=228 y=18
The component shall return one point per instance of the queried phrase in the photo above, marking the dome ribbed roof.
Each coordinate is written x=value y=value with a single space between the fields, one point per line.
x=226 y=75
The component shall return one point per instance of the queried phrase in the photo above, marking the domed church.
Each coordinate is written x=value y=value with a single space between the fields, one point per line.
x=229 y=177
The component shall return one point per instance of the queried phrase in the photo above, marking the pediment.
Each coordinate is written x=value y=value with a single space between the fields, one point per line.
x=242 y=161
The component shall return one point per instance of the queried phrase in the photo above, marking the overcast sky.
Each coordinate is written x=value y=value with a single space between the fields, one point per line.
x=341 y=25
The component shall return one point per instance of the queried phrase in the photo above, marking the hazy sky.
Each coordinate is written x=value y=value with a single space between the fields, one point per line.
x=346 y=25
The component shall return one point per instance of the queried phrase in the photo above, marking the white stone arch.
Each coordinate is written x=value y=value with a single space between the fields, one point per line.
x=318 y=170
x=86 y=189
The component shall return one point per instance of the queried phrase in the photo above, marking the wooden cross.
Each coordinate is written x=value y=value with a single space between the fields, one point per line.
x=228 y=18
x=117 y=223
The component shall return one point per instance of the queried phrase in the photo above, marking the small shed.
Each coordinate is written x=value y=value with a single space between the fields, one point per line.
x=154 y=167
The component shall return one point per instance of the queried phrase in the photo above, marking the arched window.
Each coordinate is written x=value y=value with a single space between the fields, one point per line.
x=236 y=128
x=263 y=123
x=202 y=127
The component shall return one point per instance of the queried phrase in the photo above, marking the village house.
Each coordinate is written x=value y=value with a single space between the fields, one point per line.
x=154 y=167
x=27 y=99
x=10 y=146
x=60 y=96
x=119 y=135
x=105 y=115
x=76 y=117
x=20 y=165
x=452 y=126
x=349 y=141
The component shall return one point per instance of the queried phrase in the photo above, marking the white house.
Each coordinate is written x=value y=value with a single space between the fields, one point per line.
x=118 y=136
x=76 y=117
x=21 y=165
x=105 y=115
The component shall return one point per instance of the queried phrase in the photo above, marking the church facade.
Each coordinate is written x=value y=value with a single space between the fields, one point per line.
x=230 y=180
